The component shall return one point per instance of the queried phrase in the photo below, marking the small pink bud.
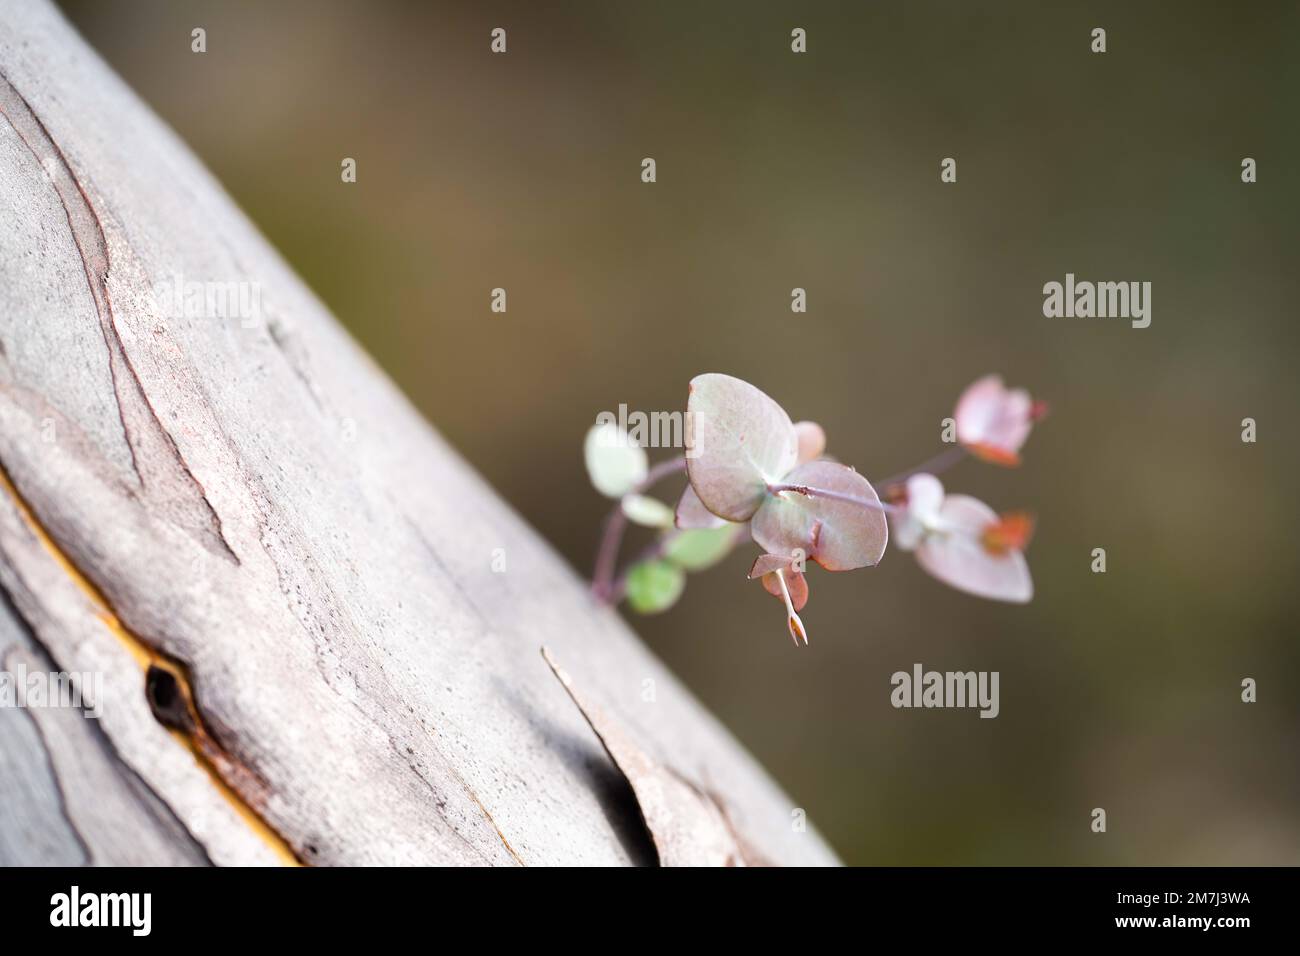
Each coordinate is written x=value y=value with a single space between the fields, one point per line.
x=993 y=421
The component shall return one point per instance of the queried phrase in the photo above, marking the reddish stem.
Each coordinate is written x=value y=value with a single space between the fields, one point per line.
x=933 y=466
x=602 y=579
x=826 y=493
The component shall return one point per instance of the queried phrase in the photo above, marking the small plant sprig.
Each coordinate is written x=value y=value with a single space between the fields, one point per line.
x=753 y=473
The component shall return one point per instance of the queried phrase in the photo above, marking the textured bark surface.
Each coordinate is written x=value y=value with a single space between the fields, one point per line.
x=258 y=519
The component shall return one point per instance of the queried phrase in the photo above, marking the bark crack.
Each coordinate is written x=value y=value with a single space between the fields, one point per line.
x=190 y=731
x=158 y=464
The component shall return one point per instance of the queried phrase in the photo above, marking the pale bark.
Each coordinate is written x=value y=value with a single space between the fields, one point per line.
x=275 y=528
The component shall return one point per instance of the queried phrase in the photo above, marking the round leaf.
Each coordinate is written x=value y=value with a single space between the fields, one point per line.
x=614 y=463
x=647 y=512
x=741 y=441
x=700 y=548
x=691 y=512
x=654 y=586
x=838 y=535
x=765 y=564
x=958 y=558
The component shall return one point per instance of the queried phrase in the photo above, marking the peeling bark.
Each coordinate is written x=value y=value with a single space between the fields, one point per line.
x=689 y=826
x=282 y=573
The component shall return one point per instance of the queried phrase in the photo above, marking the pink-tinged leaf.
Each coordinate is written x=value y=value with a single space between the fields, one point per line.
x=767 y=563
x=924 y=499
x=994 y=421
x=812 y=441
x=838 y=535
x=796 y=583
x=957 y=556
x=741 y=441
x=691 y=512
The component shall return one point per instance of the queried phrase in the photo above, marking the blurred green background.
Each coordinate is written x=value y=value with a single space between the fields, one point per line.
x=821 y=171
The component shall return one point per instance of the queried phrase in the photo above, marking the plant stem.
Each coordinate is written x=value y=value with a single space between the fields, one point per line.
x=934 y=466
x=607 y=555
x=656 y=549
x=792 y=621
x=662 y=470
x=829 y=495
x=602 y=578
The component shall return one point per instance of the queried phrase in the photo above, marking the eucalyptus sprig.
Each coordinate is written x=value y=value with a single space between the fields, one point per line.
x=754 y=474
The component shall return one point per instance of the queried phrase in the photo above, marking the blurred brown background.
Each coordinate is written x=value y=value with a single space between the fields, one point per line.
x=822 y=171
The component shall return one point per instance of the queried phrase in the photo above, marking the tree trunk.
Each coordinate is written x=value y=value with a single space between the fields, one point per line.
x=312 y=632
